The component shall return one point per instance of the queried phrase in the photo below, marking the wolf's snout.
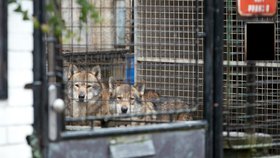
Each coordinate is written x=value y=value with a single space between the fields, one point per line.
x=81 y=96
x=124 y=109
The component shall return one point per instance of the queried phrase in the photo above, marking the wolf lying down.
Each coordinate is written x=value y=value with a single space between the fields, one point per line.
x=87 y=95
x=127 y=99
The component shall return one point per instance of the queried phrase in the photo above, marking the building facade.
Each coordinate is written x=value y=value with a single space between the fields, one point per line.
x=16 y=112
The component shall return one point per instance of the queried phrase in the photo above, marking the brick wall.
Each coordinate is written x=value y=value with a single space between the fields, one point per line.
x=16 y=113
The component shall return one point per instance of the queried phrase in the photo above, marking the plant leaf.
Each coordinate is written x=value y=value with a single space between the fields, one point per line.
x=11 y=1
x=25 y=15
x=18 y=9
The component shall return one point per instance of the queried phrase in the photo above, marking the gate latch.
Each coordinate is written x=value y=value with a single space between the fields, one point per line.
x=56 y=106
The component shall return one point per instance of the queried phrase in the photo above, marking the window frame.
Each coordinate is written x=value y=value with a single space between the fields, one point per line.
x=3 y=50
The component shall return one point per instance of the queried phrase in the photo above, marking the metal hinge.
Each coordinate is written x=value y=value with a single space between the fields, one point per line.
x=32 y=85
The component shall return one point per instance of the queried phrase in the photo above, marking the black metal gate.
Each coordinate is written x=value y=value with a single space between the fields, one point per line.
x=251 y=83
x=163 y=46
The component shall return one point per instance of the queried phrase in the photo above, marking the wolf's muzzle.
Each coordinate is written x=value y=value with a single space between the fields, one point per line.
x=81 y=97
x=124 y=109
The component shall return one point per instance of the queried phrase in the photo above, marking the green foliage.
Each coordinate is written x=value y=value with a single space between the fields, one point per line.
x=87 y=9
x=55 y=24
x=34 y=143
x=19 y=10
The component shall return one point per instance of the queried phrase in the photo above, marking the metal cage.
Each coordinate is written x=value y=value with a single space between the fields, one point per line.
x=169 y=51
x=133 y=78
x=251 y=88
x=164 y=38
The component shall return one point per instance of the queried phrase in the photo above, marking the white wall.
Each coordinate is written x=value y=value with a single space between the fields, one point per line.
x=16 y=113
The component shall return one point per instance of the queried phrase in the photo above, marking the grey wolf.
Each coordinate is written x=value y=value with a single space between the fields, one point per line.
x=127 y=99
x=171 y=105
x=86 y=94
x=164 y=104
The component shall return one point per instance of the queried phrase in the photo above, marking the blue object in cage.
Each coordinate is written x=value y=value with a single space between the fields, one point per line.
x=129 y=68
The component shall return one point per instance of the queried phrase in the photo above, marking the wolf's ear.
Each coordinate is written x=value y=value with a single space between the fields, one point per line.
x=96 y=72
x=111 y=85
x=71 y=70
x=140 y=87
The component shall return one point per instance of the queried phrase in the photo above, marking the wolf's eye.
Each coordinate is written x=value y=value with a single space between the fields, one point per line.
x=132 y=99
x=89 y=86
x=77 y=85
x=95 y=86
x=119 y=98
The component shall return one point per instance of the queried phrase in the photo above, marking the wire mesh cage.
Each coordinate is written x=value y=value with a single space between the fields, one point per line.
x=164 y=37
x=169 y=51
x=251 y=87
x=96 y=50
x=158 y=38
x=101 y=41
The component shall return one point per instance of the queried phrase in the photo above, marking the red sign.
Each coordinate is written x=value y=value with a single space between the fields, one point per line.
x=257 y=7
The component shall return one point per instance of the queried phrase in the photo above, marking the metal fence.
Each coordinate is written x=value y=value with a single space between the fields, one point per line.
x=162 y=35
x=168 y=51
x=165 y=37
x=251 y=88
x=132 y=81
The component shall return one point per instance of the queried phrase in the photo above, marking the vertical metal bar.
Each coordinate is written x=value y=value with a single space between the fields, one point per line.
x=51 y=58
x=218 y=79
x=52 y=90
x=53 y=117
x=251 y=91
x=135 y=35
x=55 y=78
x=208 y=75
x=39 y=78
x=3 y=50
x=196 y=54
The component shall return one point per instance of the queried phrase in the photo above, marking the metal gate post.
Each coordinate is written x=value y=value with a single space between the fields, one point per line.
x=55 y=76
x=39 y=84
x=218 y=79
x=208 y=75
x=213 y=79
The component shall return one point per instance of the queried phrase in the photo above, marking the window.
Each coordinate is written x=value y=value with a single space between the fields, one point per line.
x=260 y=41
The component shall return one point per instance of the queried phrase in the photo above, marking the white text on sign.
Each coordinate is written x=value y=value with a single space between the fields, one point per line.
x=254 y=8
